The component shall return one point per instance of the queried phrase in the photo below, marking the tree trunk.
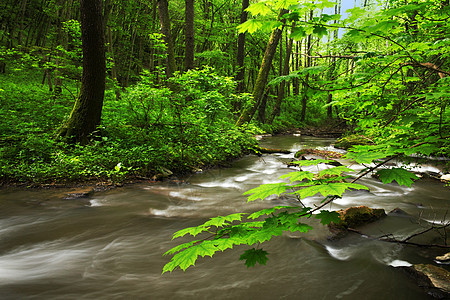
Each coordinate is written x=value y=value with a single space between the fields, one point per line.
x=189 y=35
x=296 y=83
x=86 y=113
x=307 y=65
x=241 y=50
x=262 y=108
x=282 y=87
x=261 y=80
x=164 y=19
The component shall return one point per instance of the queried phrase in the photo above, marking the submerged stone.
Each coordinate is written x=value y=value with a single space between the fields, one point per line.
x=435 y=280
x=79 y=193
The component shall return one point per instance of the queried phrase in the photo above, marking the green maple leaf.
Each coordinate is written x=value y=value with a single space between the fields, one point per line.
x=220 y=221
x=320 y=31
x=188 y=257
x=298 y=33
x=300 y=227
x=335 y=171
x=330 y=189
x=315 y=162
x=425 y=149
x=251 y=26
x=180 y=247
x=366 y=154
x=253 y=256
x=326 y=217
x=401 y=176
x=190 y=230
x=227 y=243
x=298 y=176
x=280 y=4
x=268 y=211
x=265 y=190
x=259 y=8
x=264 y=234
x=365 y=157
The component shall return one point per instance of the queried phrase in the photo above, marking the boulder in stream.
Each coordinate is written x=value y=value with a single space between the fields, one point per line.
x=354 y=217
x=435 y=280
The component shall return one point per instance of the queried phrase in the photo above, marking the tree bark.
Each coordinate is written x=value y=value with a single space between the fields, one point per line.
x=189 y=35
x=164 y=19
x=282 y=87
x=263 y=74
x=86 y=113
x=240 y=74
x=307 y=65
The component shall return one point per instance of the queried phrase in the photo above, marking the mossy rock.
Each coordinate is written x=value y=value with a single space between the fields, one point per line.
x=352 y=140
x=357 y=216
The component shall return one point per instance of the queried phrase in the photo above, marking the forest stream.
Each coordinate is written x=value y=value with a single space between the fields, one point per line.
x=110 y=244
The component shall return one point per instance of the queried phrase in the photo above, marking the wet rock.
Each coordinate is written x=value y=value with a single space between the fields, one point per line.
x=79 y=194
x=435 y=280
x=354 y=217
x=399 y=212
x=445 y=178
x=444 y=258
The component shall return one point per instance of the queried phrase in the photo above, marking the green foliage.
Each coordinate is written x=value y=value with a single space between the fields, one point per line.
x=151 y=130
x=266 y=190
x=234 y=230
x=326 y=217
x=253 y=256
x=401 y=176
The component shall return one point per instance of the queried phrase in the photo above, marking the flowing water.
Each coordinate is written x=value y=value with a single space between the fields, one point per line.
x=110 y=245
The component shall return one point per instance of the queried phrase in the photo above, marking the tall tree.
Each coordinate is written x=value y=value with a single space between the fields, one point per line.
x=282 y=87
x=307 y=65
x=263 y=74
x=240 y=74
x=189 y=35
x=86 y=113
x=164 y=19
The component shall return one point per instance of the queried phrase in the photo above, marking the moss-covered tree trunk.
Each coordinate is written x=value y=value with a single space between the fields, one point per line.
x=87 y=111
x=263 y=74
x=164 y=19
x=240 y=72
x=282 y=87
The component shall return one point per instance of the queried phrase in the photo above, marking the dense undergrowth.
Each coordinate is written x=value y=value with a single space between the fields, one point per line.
x=150 y=130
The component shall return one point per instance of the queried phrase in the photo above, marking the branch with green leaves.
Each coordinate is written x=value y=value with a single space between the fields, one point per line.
x=224 y=232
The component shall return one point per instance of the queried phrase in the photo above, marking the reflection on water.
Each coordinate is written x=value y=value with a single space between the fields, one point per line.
x=110 y=246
